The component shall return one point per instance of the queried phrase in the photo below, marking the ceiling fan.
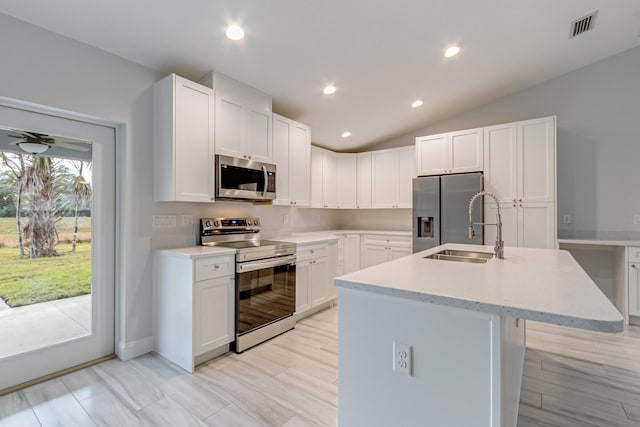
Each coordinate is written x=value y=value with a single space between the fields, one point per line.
x=38 y=143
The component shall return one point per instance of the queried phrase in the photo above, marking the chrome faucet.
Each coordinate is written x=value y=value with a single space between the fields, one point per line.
x=499 y=248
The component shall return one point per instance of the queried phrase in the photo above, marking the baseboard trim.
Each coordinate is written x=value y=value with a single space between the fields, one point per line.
x=130 y=350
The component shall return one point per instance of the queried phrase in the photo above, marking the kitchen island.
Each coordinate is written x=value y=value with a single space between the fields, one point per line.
x=435 y=342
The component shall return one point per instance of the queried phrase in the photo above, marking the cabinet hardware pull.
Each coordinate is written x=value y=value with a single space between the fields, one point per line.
x=514 y=205
x=520 y=200
x=215 y=267
x=633 y=265
x=517 y=322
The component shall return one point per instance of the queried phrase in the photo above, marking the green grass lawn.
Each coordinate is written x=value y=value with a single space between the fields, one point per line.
x=26 y=281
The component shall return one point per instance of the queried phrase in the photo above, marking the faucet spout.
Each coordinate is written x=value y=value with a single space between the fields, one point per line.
x=499 y=247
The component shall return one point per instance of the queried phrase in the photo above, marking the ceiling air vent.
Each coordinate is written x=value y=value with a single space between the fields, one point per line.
x=583 y=24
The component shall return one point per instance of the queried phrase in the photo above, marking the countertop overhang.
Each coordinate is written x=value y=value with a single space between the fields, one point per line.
x=545 y=285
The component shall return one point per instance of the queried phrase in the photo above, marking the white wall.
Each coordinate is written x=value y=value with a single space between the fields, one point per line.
x=375 y=219
x=598 y=139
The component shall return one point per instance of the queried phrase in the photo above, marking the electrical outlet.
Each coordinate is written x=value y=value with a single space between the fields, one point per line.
x=186 y=219
x=566 y=219
x=163 y=221
x=402 y=360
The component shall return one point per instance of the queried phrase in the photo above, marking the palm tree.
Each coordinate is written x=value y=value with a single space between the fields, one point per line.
x=81 y=195
x=16 y=164
x=39 y=187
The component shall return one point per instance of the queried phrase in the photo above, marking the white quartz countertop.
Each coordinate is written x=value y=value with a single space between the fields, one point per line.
x=195 y=252
x=545 y=285
x=602 y=238
x=329 y=235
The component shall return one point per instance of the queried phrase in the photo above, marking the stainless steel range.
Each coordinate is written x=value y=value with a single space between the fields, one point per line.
x=265 y=278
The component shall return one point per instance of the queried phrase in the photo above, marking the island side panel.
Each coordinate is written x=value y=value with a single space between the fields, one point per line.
x=452 y=363
x=509 y=364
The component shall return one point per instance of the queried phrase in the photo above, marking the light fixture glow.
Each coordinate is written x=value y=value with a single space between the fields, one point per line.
x=329 y=90
x=452 y=51
x=33 y=147
x=416 y=103
x=234 y=32
x=346 y=134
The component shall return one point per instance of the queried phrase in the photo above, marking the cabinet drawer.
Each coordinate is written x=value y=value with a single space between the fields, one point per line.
x=212 y=267
x=311 y=251
x=386 y=240
x=634 y=254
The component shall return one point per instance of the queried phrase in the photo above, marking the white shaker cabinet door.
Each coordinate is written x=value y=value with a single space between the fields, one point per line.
x=347 y=178
x=317 y=156
x=405 y=172
x=537 y=160
x=373 y=255
x=634 y=289
x=536 y=225
x=466 y=151
x=500 y=162
x=300 y=162
x=258 y=143
x=281 y=147
x=397 y=252
x=303 y=283
x=432 y=154
x=364 y=180
x=509 y=215
x=329 y=180
x=384 y=179
x=229 y=121
x=351 y=253
x=214 y=312
x=319 y=278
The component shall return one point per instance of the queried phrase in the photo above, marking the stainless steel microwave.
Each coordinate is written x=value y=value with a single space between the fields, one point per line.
x=243 y=179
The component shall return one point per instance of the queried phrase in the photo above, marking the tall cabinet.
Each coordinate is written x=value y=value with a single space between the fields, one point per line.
x=392 y=174
x=520 y=169
x=292 y=156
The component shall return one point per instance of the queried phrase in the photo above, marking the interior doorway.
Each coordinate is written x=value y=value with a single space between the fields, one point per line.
x=57 y=242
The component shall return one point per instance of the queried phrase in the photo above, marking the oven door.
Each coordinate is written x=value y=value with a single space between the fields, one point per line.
x=244 y=179
x=265 y=292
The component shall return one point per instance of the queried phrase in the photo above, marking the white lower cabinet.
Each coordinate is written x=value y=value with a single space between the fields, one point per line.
x=379 y=248
x=314 y=277
x=194 y=306
x=634 y=280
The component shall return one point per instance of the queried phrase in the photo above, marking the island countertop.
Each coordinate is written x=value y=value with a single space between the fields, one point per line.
x=545 y=285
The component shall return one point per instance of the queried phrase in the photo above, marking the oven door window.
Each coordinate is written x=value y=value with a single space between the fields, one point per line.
x=238 y=178
x=265 y=295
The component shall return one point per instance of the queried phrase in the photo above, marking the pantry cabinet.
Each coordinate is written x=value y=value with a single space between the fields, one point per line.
x=194 y=304
x=392 y=173
x=520 y=169
x=292 y=156
x=183 y=141
x=452 y=152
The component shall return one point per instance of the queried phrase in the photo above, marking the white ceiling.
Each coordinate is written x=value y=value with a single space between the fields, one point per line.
x=381 y=55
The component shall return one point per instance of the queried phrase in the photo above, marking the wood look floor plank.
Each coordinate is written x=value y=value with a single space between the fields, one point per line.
x=168 y=413
x=54 y=405
x=106 y=409
x=15 y=410
x=84 y=383
x=233 y=416
x=128 y=384
x=632 y=411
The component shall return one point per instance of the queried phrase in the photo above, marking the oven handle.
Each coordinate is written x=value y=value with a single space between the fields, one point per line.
x=259 y=265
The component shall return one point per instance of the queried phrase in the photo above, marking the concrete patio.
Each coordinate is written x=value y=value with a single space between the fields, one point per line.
x=36 y=326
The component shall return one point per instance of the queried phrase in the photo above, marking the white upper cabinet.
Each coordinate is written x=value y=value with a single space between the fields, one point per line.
x=364 y=180
x=317 y=157
x=393 y=171
x=183 y=141
x=347 y=178
x=453 y=152
x=243 y=120
x=292 y=156
x=323 y=178
x=520 y=169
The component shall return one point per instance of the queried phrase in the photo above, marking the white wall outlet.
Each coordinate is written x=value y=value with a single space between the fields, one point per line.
x=566 y=219
x=163 y=221
x=402 y=360
x=186 y=219
x=636 y=219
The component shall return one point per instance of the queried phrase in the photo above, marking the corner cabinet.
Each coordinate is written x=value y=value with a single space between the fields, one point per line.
x=392 y=173
x=324 y=184
x=364 y=180
x=194 y=305
x=453 y=152
x=292 y=156
x=183 y=141
x=520 y=169
x=243 y=120
x=347 y=180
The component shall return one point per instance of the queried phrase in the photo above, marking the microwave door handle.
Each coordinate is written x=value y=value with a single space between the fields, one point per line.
x=266 y=180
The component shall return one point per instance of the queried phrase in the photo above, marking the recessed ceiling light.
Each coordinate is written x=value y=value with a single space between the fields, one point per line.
x=329 y=90
x=346 y=134
x=416 y=103
x=234 y=32
x=452 y=51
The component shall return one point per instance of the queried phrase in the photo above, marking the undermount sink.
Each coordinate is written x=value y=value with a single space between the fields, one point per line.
x=462 y=256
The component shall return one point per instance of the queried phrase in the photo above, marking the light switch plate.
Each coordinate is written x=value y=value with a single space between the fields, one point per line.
x=164 y=221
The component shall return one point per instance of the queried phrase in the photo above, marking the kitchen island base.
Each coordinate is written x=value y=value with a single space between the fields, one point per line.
x=466 y=365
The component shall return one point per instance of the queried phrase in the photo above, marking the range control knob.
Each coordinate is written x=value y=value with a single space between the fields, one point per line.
x=216 y=223
x=207 y=223
x=255 y=222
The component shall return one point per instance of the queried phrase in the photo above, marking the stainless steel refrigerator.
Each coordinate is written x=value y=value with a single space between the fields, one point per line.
x=441 y=210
